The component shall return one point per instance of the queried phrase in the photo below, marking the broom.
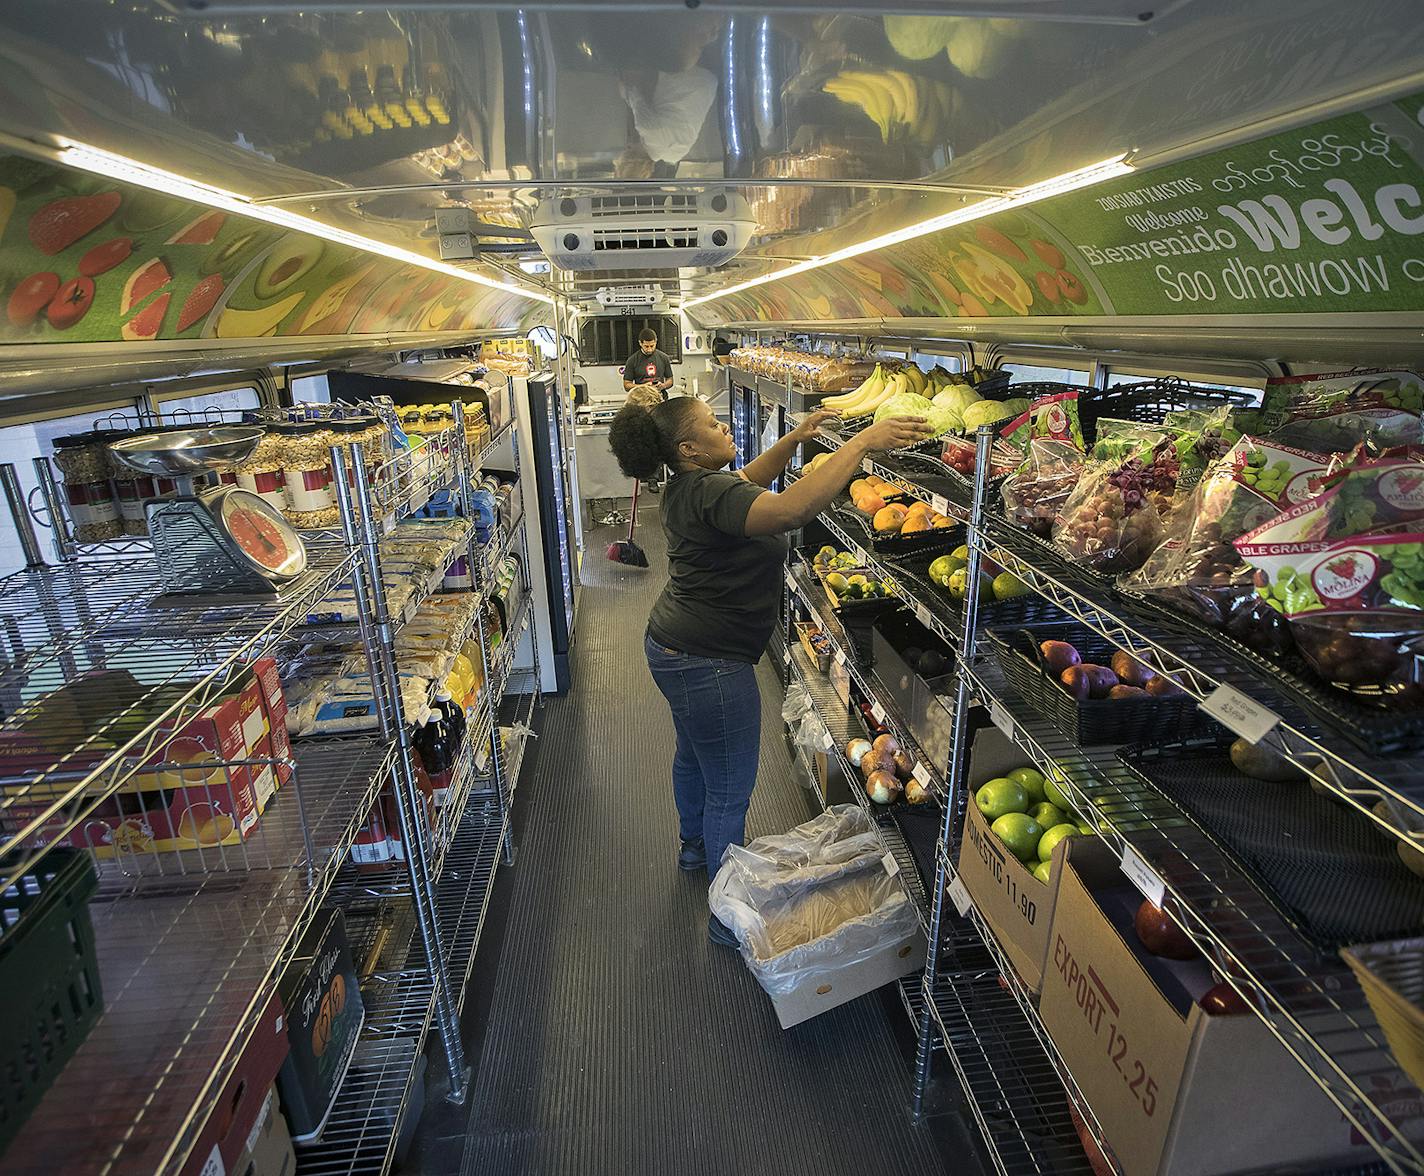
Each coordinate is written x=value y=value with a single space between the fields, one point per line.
x=625 y=551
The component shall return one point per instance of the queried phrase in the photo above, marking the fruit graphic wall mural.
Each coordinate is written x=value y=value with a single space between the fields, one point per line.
x=87 y=260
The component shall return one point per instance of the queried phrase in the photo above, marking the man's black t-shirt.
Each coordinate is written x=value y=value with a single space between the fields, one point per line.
x=723 y=587
x=647 y=369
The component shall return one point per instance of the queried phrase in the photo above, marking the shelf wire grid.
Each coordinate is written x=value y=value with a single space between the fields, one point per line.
x=1311 y=1001
x=187 y=966
x=82 y=618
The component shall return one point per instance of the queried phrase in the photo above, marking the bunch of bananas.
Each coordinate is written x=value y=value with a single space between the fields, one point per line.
x=901 y=105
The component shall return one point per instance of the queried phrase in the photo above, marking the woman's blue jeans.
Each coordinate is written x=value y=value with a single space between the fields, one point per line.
x=716 y=711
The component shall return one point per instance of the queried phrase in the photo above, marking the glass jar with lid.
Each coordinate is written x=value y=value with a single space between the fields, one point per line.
x=263 y=471
x=477 y=427
x=83 y=461
x=306 y=470
x=132 y=488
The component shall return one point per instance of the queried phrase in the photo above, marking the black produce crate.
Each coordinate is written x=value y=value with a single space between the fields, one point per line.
x=1149 y=402
x=933 y=539
x=1374 y=729
x=1047 y=556
x=49 y=980
x=1329 y=871
x=1094 y=721
x=913 y=572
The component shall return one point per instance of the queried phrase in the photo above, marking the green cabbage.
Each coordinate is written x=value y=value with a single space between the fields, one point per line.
x=903 y=404
x=986 y=412
x=957 y=397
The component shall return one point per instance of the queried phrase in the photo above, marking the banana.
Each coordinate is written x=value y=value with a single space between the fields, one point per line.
x=856 y=90
x=909 y=103
x=886 y=95
x=916 y=379
x=847 y=400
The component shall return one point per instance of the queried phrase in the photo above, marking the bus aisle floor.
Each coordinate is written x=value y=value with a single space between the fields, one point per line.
x=613 y=1037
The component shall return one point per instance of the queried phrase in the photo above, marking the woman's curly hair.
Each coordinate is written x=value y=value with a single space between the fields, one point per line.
x=644 y=440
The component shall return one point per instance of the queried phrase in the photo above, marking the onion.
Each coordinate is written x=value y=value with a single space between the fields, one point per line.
x=856 y=749
x=882 y=787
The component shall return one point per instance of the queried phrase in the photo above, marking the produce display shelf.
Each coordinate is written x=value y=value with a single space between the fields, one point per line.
x=826 y=702
x=775 y=393
x=935 y=615
x=1308 y=999
x=1010 y=1084
x=61 y=621
x=187 y=965
x=948 y=495
x=366 y=1121
x=804 y=584
x=1356 y=777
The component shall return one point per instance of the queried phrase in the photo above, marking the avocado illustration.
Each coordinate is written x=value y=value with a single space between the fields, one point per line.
x=289 y=260
x=226 y=256
x=145 y=211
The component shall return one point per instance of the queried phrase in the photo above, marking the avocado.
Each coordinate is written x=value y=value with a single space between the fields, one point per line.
x=290 y=259
x=224 y=256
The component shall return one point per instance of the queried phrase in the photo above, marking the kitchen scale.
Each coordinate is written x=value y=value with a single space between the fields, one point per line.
x=219 y=541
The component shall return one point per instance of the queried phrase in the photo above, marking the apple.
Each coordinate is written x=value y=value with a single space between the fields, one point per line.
x=1030 y=780
x=1160 y=935
x=1044 y=872
x=1020 y=834
x=1001 y=796
x=1053 y=792
x=1054 y=835
x=1047 y=814
x=1221 y=1000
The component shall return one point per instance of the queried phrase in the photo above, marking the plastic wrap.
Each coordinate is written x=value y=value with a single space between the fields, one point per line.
x=1110 y=520
x=1037 y=491
x=808 y=904
x=1334 y=412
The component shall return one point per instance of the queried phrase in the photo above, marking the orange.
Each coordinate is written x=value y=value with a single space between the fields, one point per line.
x=889 y=518
x=858 y=487
x=913 y=523
x=918 y=509
x=871 y=504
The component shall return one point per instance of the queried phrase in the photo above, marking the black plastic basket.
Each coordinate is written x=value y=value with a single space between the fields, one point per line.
x=49 y=980
x=935 y=539
x=913 y=571
x=1372 y=729
x=1093 y=721
x=1150 y=401
x=1333 y=876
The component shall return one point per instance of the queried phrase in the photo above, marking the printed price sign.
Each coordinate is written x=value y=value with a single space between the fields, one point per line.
x=840 y=656
x=826 y=741
x=878 y=711
x=960 y=897
x=940 y=503
x=892 y=867
x=921 y=773
x=1142 y=875
x=922 y=614
x=999 y=713
x=1240 y=714
x=790 y=580
x=867 y=465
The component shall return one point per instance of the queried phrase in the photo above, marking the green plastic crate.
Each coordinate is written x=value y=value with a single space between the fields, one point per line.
x=49 y=980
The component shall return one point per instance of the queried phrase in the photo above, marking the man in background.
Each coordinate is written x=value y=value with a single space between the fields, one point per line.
x=648 y=365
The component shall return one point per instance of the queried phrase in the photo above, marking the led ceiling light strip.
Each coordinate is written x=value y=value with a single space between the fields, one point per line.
x=1069 y=181
x=130 y=171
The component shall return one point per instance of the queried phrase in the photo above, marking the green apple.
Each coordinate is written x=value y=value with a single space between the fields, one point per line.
x=1054 y=793
x=1054 y=835
x=1031 y=781
x=1086 y=829
x=1043 y=872
x=961 y=552
x=1001 y=796
x=1007 y=585
x=1047 y=814
x=1020 y=834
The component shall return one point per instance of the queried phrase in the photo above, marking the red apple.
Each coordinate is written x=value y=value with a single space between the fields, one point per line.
x=1222 y=1000
x=1160 y=935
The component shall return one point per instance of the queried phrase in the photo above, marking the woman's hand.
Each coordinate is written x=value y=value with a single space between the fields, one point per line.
x=894 y=433
x=807 y=429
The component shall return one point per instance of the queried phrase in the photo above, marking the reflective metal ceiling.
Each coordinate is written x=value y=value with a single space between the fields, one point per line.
x=807 y=112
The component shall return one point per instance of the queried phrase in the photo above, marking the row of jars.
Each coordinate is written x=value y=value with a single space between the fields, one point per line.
x=425 y=420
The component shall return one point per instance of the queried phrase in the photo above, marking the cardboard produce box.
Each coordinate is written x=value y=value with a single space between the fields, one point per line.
x=1176 y=1090
x=269 y=1145
x=866 y=975
x=1015 y=904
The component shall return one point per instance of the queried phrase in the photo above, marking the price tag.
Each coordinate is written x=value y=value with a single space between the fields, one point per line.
x=940 y=503
x=786 y=655
x=921 y=773
x=1235 y=711
x=213 y=1165
x=790 y=580
x=827 y=743
x=960 y=897
x=840 y=656
x=892 y=867
x=1142 y=875
x=867 y=465
x=878 y=712
x=922 y=614
x=999 y=713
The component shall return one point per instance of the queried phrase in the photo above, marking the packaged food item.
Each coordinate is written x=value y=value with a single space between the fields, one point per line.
x=1368 y=498
x=1110 y=520
x=1334 y=412
x=1355 y=607
x=1201 y=439
x=1036 y=492
x=84 y=464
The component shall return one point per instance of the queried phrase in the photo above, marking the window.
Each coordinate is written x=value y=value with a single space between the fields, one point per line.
x=21 y=444
x=609 y=339
x=1027 y=373
x=214 y=407
x=311 y=389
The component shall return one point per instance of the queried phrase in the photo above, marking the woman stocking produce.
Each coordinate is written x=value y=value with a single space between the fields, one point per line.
x=715 y=616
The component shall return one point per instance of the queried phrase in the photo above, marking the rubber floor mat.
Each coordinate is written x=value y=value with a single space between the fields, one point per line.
x=619 y=1040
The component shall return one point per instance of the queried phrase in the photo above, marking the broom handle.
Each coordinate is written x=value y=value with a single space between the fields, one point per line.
x=633 y=514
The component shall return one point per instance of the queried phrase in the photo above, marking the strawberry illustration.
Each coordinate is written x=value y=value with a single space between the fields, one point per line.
x=58 y=224
x=1343 y=567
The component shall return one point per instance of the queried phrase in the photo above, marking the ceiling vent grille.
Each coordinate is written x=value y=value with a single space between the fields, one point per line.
x=656 y=230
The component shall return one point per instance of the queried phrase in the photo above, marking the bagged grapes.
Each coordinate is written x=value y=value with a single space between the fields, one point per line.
x=1036 y=492
x=1333 y=413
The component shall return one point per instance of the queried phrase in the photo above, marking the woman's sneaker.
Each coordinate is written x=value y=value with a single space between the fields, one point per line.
x=719 y=933
x=692 y=855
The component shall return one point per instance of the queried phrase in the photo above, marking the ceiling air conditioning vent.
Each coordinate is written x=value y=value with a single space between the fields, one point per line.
x=629 y=295
x=654 y=230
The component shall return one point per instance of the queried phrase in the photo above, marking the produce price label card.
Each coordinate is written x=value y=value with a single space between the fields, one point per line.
x=999 y=713
x=960 y=897
x=1239 y=713
x=921 y=773
x=1143 y=876
x=892 y=867
x=939 y=503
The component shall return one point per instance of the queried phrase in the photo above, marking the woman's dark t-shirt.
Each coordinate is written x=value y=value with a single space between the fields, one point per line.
x=723 y=587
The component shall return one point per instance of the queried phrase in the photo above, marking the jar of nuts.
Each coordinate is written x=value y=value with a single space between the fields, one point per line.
x=83 y=461
x=306 y=468
x=263 y=472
